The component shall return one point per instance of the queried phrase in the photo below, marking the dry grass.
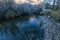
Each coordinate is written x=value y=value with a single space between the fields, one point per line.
x=52 y=13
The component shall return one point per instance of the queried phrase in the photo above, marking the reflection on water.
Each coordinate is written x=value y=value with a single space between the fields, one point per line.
x=22 y=30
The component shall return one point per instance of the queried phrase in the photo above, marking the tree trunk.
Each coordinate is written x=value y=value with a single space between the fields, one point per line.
x=54 y=1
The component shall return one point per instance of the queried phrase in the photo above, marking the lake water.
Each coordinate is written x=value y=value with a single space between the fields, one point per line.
x=22 y=29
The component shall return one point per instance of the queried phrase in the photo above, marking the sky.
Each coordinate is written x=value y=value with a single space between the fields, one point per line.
x=49 y=1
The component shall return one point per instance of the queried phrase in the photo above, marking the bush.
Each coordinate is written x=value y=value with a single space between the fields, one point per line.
x=52 y=13
x=45 y=12
x=55 y=14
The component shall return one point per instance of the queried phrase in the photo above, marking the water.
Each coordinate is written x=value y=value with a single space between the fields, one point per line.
x=23 y=29
x=30 y=28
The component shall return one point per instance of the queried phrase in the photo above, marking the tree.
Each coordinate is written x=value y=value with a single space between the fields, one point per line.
x=58 y=4
x=4 y=6
x=54 y=1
